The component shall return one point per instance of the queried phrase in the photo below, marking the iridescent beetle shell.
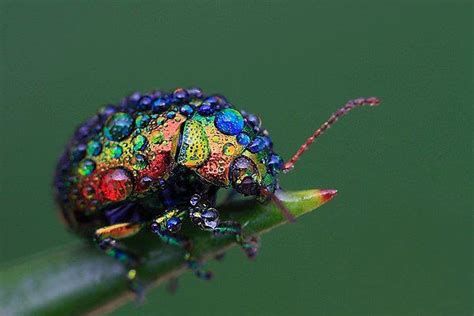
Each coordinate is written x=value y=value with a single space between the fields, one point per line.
x=156 y=160
x=125 y=152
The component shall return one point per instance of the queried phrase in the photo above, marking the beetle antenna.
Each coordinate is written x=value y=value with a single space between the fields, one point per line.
x=372 y=101
x=286 y=213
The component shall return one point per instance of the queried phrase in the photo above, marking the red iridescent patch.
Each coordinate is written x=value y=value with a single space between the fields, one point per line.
x=116 y=184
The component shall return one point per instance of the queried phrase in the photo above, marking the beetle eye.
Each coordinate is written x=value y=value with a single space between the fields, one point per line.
x=243 y=174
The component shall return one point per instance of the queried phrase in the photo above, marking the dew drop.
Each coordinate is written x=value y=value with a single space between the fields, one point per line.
x=94 y=148
x=142 y=120
x=160 y=121
x=146 y=182
x=86 y=167
x=118 y=127
x=78 y=152
x=139 y=143
x=88 y=192
x=114 y=151
x=243 y=139
x=139 y=162
x=187 y=110
x=157 y=137
x=228 y=149
x=229 y=122
x=257 y=145
x=116 y=184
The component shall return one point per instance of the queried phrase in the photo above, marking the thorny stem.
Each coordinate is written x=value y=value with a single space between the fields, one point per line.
x=78 y=279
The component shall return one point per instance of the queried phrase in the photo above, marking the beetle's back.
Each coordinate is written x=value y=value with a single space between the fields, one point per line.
x=117 y=156
x=123 y=154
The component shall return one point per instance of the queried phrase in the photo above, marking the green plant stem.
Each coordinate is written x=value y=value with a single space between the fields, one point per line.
x=78 y=279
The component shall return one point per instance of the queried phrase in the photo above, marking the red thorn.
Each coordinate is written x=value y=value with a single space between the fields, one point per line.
x=327 y=195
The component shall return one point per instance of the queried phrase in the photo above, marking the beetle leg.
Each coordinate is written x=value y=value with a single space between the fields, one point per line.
x=107 y=239
x=249 y=245
x=207 y=218
x=167 y=227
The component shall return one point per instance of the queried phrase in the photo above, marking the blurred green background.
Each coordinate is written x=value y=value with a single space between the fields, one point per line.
x=398 y=238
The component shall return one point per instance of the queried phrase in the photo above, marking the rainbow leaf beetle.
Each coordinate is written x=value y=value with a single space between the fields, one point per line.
x=155 y=160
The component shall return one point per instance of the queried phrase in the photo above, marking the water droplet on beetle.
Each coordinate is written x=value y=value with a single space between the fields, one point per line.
x=116 y=184
x=119 y=126
x=228 y=149
x=86 y=167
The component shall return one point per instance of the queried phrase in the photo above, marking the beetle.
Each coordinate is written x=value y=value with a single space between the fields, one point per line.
x=156 y=159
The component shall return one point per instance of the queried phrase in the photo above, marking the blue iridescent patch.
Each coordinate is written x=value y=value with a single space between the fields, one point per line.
x=118 y=126
x=229 y=122
x=257 y=145
x=86 y=167
x=275 y=164
x=94 y=148
x=161 y=104
x=79 y=152
x=243 y=139
x=142 y=120
x=144 y=103
x=206 y=109
x=186 y=110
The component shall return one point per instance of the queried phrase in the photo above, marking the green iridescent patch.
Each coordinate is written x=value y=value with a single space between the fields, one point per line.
x=118 y=126
x=114 y=151
x=139 y=142
x=94 y=148
x=142 y=120
x=157 y=137
x=86 y=167
x=139 y=162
